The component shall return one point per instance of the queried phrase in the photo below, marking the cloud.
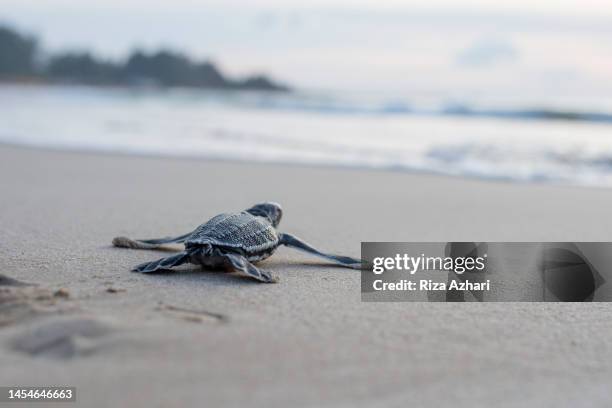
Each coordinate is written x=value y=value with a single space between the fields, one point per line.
x=487 y=52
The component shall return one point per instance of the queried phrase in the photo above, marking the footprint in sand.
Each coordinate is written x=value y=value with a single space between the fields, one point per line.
x=192 y=315
x=62 y=338
x=21 y=302
x=8 y=281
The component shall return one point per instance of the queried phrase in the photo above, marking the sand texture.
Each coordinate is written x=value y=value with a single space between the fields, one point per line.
x=76 y=316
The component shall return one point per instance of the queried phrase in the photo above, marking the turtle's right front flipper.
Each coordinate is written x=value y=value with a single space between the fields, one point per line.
x=125 y=242
x=294 y=242
x=163 y=263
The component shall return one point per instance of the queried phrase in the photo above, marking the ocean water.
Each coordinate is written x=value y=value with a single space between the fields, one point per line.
x=516 y=139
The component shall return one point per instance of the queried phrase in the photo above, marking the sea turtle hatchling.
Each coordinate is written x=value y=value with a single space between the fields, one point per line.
x=233 y=242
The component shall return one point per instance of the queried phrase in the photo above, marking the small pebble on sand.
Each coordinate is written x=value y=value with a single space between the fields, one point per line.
x=62 y=292
x=114 y=290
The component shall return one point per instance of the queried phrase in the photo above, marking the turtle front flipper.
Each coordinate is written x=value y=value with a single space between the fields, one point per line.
x=163 y=263
x=240 y=264
x=294 y=242
x=125 y=242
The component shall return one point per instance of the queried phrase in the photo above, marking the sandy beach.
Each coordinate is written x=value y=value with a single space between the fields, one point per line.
x=206 y=338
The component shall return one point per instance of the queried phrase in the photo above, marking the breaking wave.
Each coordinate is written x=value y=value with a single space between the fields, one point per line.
x=536 y=145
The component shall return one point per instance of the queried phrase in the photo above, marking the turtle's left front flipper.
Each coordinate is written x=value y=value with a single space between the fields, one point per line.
x=294 y=242
x=163 y=263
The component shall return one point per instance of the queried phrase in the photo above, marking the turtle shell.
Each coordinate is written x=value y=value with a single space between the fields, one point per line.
x=236 y=230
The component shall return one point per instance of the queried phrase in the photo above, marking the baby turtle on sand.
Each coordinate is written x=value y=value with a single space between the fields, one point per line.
x=232 y=242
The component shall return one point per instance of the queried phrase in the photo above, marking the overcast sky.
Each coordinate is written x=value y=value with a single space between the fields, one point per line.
x=357 y=44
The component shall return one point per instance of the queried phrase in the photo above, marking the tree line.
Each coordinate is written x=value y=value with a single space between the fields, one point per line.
x=21 y=59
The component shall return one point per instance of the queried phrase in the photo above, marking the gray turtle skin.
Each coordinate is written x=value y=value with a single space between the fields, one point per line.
x=233 y=242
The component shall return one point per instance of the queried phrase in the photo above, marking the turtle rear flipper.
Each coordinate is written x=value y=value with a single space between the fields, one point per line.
x=163 y=263
x=294 y=242
x=240 y=264
x=125 y=242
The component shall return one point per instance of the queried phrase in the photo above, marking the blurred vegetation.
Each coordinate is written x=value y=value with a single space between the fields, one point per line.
x=20 y=59
x=81 y=68
x=17 y=53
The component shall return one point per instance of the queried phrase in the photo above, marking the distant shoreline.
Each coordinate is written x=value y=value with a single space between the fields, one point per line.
x=21 y=60
x=40 y=81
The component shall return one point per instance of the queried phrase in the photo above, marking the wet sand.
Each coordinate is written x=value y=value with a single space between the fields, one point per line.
x=193 y=338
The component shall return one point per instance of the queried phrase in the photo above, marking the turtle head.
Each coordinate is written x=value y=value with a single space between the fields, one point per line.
x=272 y=211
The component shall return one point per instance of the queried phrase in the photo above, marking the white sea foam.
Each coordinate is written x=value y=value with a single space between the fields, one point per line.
x=514 y=144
